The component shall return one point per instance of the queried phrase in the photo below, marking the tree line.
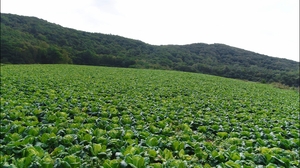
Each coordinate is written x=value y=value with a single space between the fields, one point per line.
x=29 y=40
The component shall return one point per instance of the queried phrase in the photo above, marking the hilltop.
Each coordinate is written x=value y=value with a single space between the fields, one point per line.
x=30 y=40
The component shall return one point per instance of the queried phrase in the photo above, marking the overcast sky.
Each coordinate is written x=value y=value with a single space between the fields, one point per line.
x=269 y=27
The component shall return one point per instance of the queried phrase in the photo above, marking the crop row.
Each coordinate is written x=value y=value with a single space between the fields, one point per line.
x=81 y=116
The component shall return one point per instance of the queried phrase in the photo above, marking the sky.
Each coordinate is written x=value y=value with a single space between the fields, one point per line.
x=269 y=27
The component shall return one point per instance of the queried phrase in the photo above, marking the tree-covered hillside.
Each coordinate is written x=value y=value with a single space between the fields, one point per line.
x=29 y=40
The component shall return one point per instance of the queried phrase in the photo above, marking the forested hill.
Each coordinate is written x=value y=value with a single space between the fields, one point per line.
x=29 y=40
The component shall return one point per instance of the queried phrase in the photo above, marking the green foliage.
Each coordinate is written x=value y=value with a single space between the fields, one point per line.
x=92 y=116
x=136 y=161
x=28 y=40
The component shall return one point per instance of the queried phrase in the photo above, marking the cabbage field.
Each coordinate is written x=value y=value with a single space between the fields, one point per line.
x=85 y=116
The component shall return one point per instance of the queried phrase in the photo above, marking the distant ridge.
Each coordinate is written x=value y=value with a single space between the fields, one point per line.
x=29 y=40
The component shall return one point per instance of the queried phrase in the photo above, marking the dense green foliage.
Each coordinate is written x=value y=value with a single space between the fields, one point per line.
x=31 y=40
x=88 y=116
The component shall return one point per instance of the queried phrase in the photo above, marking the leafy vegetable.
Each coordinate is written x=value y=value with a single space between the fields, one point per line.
x=72 y=116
